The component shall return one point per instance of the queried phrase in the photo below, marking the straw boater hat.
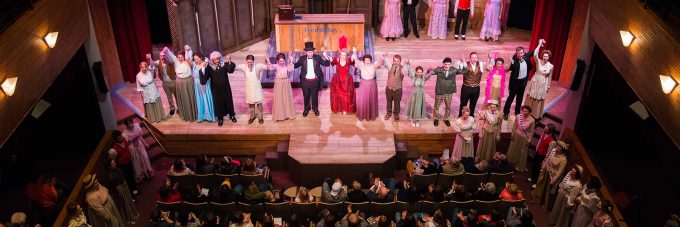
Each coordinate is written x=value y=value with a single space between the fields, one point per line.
x=562 y=145
x=579 y=168
x=89 y=180
x=493 y=101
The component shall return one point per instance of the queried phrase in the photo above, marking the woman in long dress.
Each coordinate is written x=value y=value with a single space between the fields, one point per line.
x=391 y=26
x=415 y=108
x=342 y=85
x=438 y=17
x=491 y=28
x=283 y=106
x=184 y=85
x=103 y=209
x=603 y=217
x=570 y=189
x=254 y=94
x=121 y=194
x=153 y=107
x=587 y=203
x=367 y=94
x=522 y=131
x=552 y=168
x=140 y=159
x=540 y=83
x=204 y=99
x=464 y=147
x=495 y=80
x=490 y=130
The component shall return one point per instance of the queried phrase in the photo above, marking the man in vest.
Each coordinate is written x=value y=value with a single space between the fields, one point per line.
x=472 y=76
x=446 y=86
x=166 y=70
x=463 y=10
x=393 y=91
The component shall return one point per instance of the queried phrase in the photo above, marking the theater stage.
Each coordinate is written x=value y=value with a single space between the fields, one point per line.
x=328 y=142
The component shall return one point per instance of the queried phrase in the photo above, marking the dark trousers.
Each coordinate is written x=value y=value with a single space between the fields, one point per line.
x=517 y=93
x=463 y=15
x=310 y=90
x=409 y=13
x=468 y=94
x=536 y=167
x=393 y=96
x=129 y=176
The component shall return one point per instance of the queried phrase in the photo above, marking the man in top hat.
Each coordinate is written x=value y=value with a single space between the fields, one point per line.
x=311 y=77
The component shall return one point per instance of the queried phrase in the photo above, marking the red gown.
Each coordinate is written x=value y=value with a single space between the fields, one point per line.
x=342 y=88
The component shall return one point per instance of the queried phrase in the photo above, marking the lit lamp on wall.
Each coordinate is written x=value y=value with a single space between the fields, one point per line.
x=667 y=84
x=9 y=85
x=627 y=38
x=51 y=39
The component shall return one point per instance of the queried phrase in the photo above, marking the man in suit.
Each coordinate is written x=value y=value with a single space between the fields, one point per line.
x=520 y=67
x=446 y=86
x=311 y=77
x=409 y=13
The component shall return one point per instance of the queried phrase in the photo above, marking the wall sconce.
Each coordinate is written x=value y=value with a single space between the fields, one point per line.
x=51 y=39
x=667 y=84
x=627 y=38
x=9 y=85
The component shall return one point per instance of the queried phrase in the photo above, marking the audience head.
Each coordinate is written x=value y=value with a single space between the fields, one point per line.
x=281 y=58
x=336 y=188
x=513 y=189
x=267 y=220
x=482 y=165
x=439 y=218
x=409 y=220
x=356 y=185
x=252 y=189
x=490 y=187
x=303 y=195
x=249 y=166
x=353 y=220
x=18 y=219
x=178 y=165
x=329 y=219
x=164 y=192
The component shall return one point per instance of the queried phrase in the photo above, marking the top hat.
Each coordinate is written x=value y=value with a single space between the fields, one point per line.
x=309 y=46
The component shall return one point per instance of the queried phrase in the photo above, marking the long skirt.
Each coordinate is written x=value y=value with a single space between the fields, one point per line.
x=186 y=98
x=204 y=101
x=582 y=217
x=140 y=162
x=487 y=145
x=415 y=107
x=367 y=100
x=560 y=214
x=517 y=152
x=462 y=148
x=116 y=220
x=538 y=194
x=283 y=106
x=125 y=203
x=536 y=107
x=154 y=111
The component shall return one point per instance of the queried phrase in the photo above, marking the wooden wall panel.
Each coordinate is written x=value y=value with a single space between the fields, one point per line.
x=578 y=23
x=654 y=51
x=106 y=41
x=29 y=58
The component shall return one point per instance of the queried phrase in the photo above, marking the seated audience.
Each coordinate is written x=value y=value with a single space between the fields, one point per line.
x=407 y=191
x=204 y=165
x=273 y=197
x=161 y=218
x=241 y=220
x=500 y=164
x=43 y=193
x=333 y=193
x=405 y=219
x=459 y=193
x=227 y=166
x=488 y=192
x=511 y=192
x=379 y=192
x=352 y=218
x=452 y=167
x=327 y=220
x=303 y=196
x=434 y=194
x=169 y=194
x=519 y=217
x=224 y=193
x=425 y=167
x=461 y=219
x=356 y=195
x=477 y=167
x=179 y=168
x=253 y=195
x=249 y=167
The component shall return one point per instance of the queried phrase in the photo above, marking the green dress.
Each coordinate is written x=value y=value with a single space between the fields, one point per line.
x=416 y=101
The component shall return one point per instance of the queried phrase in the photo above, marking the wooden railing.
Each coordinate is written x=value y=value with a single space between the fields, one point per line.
x=94 y=165
x=579 y=155
x=157 y=135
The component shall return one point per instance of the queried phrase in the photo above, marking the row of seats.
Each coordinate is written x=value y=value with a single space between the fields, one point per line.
x=214 y=180
x=469 y=180
x=286 y=209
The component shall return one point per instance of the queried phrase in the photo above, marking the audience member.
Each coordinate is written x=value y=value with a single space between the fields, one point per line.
x=500 y=164
x=303 y=196
x=356 y=195
x=452 y=167
x=488 y=192
x=249 y=167
x=459 y=193
x=407 y=191
x=333 y=193
x=204 y=165
x=511 y=192
x=179 y=168
x=168 y=193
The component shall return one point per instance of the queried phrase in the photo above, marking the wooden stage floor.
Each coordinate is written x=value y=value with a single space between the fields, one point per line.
x=340 y=138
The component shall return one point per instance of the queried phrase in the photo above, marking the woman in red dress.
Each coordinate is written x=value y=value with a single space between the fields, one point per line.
x=342 y=85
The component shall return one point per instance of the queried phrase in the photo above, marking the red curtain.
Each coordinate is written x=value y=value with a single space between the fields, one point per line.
x=131 y=29
x=552 y=20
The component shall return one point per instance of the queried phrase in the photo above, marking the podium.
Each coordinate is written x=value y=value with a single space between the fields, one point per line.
x=325 y=30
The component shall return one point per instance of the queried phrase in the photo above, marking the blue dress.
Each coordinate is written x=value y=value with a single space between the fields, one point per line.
x=204 y=98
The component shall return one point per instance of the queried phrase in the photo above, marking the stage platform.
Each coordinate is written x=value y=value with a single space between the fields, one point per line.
x=332 y=141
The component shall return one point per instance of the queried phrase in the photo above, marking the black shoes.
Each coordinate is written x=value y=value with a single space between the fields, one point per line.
x=316 y=112
x=220 y=122
x=417 y=35
x=505 y=117
x=304 y=113
x=233 y=119
x=250 y=121
x=406 y=34
x=436 y=123
x=172 y=112
x=448 y=124
x=261 y=121
x=463 y=37
x=455 y=37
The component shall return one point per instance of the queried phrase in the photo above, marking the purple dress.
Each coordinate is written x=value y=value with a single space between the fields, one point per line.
x=367 y=94
x=437 y=29
x=391 y=23
x=492 y=23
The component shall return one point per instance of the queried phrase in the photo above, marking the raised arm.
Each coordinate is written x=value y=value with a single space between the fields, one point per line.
x=229 y=65
x=536 y=51
x=152 y=63
x=324 y=60
x=171 y=56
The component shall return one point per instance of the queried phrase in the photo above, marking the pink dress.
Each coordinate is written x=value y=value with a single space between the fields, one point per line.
x=140 y=159
x=391 y=24
x=283 y=106
x=437 y=29
x=495 y=85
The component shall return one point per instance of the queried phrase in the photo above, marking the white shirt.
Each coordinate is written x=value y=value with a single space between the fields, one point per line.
x=409 y=2
x=522 y=69
x=463 y=65
x=310 y=69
